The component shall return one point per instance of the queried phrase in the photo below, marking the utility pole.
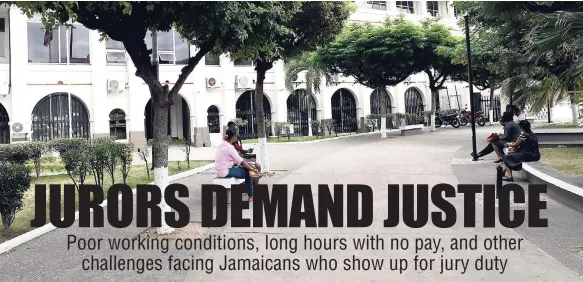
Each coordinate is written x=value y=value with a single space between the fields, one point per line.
x=472 y=106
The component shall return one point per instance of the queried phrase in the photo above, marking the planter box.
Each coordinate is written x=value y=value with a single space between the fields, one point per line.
x=411 y=129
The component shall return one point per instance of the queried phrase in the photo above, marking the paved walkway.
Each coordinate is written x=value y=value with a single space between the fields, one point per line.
x=429 y=158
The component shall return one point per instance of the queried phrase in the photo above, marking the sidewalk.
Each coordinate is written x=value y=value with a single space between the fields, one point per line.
x=419 y=159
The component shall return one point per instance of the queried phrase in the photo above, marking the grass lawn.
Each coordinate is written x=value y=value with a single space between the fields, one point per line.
x=291 y=139
x=567 y=160
x=564 y=125
x=136 y=176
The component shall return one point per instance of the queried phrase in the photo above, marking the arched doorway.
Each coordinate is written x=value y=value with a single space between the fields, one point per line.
x=414 y=104
x=301 y=106
x=344 y=111
x=4 y=127
x=245 y=109
x=375 y=105
x=117 y=124
x=178 y=119
x=213 y=119
x=60 y=115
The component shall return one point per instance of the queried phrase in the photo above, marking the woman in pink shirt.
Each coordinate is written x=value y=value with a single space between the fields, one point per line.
x=229 y=163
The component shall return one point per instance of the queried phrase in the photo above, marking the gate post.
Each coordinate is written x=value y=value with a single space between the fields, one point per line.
x=309 y=126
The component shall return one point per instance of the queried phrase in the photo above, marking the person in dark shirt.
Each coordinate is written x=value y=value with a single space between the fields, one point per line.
x=525 y=149
x=511 y=132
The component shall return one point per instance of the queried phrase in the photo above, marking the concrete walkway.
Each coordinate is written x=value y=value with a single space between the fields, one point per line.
x=429 y=158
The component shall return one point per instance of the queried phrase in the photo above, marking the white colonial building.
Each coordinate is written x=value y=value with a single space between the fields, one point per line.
x=69 y=84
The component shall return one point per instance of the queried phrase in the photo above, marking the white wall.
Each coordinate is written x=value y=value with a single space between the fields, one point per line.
x=32 y=82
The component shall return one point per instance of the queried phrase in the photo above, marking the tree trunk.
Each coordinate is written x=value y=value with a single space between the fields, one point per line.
x=574 y=108
x=491 y=110
x=160 y=148
x=262 y=157
x=382 y=92
x=434 y=98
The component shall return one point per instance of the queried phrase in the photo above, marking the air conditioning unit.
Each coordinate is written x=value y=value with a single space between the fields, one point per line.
x=212 y=82
x=244 y=82
x=115 y=86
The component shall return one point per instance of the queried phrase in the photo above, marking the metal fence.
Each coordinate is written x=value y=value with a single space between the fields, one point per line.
x=51 y=119
x=245 y=109
x=344 y=111
x=484 y=106
x=301 y=107
x=414 y=105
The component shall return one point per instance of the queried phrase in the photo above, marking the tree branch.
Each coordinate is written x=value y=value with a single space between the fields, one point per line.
x=187 y=70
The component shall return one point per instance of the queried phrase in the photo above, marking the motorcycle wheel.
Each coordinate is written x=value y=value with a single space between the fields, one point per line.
x=463 y=121
x=455 y=123
x=438 y=123
x=481 y=121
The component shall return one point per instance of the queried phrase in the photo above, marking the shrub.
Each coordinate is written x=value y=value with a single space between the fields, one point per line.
x=36 y=150
x=315 y=127
x=17 y=153
x=144 y=154
x=102 y=157
x=278 y=127
x=390 y=120
x=14 y=182
x=75 y=156
x=329 y=124
x=185 y=146
x=126 y=157
x=372 y=122
x=268 y=127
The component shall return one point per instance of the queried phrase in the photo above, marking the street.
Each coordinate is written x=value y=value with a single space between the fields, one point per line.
x=374 y=253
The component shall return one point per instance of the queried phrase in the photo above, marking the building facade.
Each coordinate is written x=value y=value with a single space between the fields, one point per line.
x=68 y=83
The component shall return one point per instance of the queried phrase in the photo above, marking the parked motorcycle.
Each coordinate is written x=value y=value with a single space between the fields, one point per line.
x=445 y=119
x=465 y=116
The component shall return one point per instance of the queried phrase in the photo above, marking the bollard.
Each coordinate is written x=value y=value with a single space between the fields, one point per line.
x=499 y=175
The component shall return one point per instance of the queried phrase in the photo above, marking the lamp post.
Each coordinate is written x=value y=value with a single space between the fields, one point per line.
x=471 y=86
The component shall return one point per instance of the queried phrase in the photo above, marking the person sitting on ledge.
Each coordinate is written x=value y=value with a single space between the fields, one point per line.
x=239 y=147
x=525 y=149
x=229 y=163
x=511 y=132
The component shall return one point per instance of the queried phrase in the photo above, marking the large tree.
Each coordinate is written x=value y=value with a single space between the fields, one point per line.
x=377 y=56
x=222 y=26
x=310 y=25
x=438 y=55
x=522 y=27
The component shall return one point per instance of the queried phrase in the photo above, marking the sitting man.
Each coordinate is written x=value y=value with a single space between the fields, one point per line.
x=239 y=147
x=228 y=163
x=511 y=132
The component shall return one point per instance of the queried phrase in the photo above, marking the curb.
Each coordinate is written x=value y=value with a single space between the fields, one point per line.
x=552 y=180
x=325 y=139
x=21 y=239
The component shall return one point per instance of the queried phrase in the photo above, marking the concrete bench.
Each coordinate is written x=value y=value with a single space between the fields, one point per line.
x=227 y=182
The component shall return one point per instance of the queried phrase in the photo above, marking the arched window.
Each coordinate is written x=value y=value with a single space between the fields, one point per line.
x=4 y=127
x=59 y=115
x=414 y=104
x=245 y=109
x=117 y=124
x=213 y=120
x=301 y=107
x=344 y=111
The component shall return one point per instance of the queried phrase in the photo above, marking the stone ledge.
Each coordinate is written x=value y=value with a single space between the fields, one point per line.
x=563 y=187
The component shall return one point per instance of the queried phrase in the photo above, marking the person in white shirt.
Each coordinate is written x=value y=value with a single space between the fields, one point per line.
x=518 y=115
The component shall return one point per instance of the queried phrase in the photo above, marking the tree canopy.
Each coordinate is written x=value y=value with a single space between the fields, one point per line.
x=376 y=56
